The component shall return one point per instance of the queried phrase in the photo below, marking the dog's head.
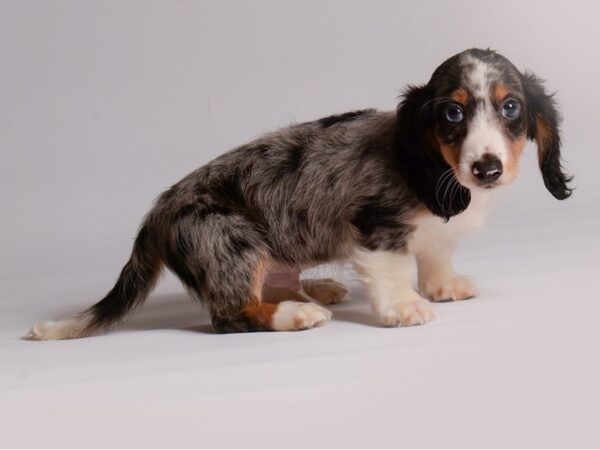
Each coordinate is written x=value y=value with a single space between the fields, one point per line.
x=467 y=127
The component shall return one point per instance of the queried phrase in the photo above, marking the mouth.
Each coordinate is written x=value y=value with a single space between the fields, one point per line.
x=471 y=182
x=488 y=185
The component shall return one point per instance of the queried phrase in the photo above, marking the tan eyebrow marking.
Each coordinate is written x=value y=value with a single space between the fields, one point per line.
x=460 y=96
x=500 y=92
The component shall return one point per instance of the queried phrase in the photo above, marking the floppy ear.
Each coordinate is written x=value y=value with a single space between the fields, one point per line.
x=542 y=126
x=420 y=162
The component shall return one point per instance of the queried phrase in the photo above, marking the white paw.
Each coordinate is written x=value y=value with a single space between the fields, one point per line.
x=408 y=313
x=326 y=291
x=292 y=316
x=451 y=289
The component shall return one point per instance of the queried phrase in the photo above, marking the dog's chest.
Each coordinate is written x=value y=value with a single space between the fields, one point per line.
x=432 y=231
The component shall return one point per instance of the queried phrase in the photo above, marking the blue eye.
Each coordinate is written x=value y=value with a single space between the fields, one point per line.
x=511 y=108
x=454 y=113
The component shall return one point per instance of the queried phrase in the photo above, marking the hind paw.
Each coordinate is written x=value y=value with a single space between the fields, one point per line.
x=326 y=291
x=294 y=316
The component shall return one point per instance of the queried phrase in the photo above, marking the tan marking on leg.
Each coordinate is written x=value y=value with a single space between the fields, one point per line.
x=254 y=315
x=284 y=316
x=260 y=273
x=259 y=314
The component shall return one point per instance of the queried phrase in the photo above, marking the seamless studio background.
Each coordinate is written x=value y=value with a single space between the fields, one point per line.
x=103 y=105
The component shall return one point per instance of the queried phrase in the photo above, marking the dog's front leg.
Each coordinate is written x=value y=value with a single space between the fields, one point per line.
x=437 y=279
x=386 y=276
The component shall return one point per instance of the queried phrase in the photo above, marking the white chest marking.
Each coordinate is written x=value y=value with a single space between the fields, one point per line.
x=432 y=232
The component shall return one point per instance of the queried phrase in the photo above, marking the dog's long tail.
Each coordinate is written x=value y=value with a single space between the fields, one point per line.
x=135 y=282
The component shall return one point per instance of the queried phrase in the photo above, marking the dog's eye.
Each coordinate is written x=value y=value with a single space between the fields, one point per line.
x=454 y=113
x=511 y=108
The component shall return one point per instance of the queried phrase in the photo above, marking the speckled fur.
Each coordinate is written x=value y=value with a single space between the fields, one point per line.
x=308 y=194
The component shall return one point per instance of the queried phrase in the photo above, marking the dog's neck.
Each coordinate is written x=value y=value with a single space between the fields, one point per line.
x=431 y=230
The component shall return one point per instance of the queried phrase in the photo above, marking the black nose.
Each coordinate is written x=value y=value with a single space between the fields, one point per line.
x=487 y=169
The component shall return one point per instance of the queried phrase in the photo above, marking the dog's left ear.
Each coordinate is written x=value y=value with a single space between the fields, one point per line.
x=542 y=126
x=420 y=162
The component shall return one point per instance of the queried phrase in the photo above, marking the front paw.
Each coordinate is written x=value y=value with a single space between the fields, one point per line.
x=451 y=289
x=407 y=313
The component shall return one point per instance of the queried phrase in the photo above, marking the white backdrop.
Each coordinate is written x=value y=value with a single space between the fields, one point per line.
x=104 y=104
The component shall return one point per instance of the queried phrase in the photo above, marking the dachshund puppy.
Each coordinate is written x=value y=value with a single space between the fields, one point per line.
x=374 y=188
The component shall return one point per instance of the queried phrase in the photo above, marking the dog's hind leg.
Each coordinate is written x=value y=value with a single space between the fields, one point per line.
x=223 y=259
x=240 y=307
